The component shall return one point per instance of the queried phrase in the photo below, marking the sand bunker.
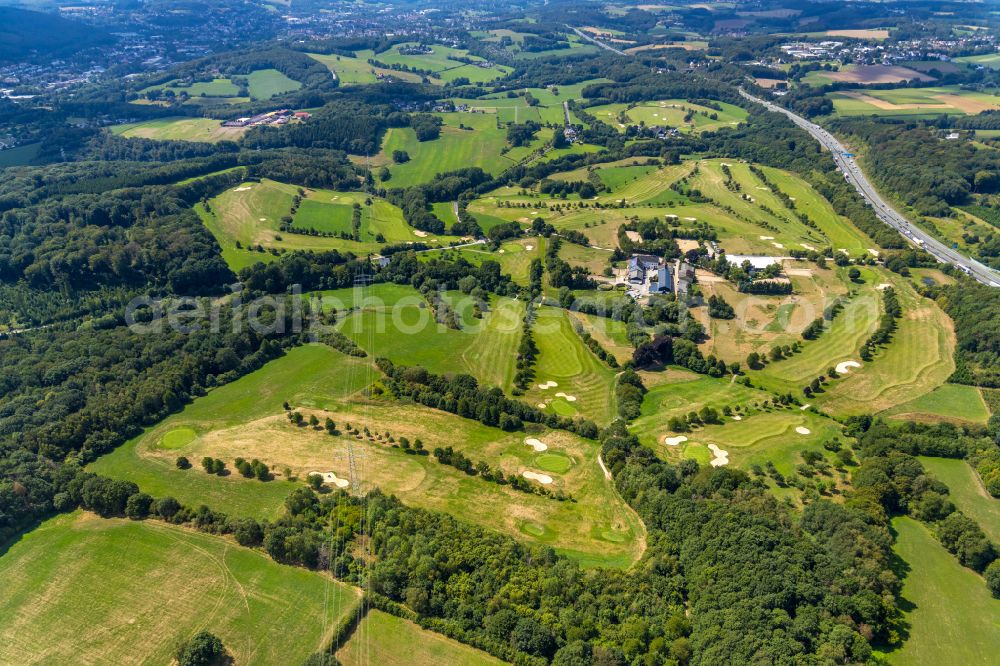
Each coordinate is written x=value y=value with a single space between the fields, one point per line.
x=808 y=247
x=767 y=237
x=568 y=398
x=243 y=189
x=501 y=251
x=263 y=219
x=541 y=405
x=543 y=479
x=674 y=441
x=421 y=234
x=802 y=430
x=720 y=457
x=330 y=477
x=737 y=417
x=778 y=245
x=805 y=407
x=536 y=444
x=547 y=385
x=845 y=367
x=529 y=248
x=873 y=251
x=883 y=286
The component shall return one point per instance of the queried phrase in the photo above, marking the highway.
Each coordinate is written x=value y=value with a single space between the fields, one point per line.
x=889 y=215
x=598 y=42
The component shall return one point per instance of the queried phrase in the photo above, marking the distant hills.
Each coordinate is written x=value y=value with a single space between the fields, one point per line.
x=26 y=34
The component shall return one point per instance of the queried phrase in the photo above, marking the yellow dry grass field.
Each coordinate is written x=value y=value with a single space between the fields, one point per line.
x=764 y=321
x=969 y=105
x=687 y=46
x=859 y=34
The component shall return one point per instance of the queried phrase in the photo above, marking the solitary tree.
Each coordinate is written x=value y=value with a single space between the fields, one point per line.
x=204 y=649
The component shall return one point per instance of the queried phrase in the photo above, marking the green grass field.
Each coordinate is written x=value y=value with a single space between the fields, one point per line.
x=266 y=83
x=669 y=113
x=916 y=361
x=251 y=214
x=949 y=402
x=610 y=334
x=381 y=638
x=919 y=102
x=261 y=84
x=245 y=418
x=381 y=294
x=761 y=226
x=313 y=375
x=479 y=144
x=760 y=435
x=86 y=590
x=438 y=62
x=683 y=392
x=549 y=108
x=991 y=60
x=356 y=70
x=217 y=87
x=180 y=129
x=513 y=256
x=967 y=492
x=564 y=359
x=20 y=155
x=407 y=333
x=919 y=358
x=787 y=231
x=952 y=618
x=576 y=47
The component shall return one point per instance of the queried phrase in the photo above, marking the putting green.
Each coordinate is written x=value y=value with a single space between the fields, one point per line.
x=556 y=463
x=611 y=535
x=532 y=528
x=177 y=438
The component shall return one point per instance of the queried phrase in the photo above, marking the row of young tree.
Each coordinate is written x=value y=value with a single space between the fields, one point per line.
x=461 y=394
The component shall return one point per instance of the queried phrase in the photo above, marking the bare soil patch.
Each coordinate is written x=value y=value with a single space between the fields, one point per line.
x=877 y=74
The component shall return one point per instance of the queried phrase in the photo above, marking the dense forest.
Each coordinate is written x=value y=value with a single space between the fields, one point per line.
x=948 y=173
